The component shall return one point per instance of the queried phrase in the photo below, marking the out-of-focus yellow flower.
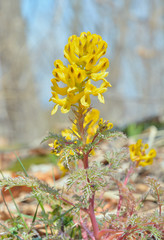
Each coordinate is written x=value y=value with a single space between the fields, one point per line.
x=55 y=147
x=63 y=169
x=67 y=134
x=138 y=154
x=73 y=83
x=64 y=154
x=105 y=125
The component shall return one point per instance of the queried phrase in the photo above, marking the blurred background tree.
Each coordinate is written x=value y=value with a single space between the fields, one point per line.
x=20 y=111
x=33 y=34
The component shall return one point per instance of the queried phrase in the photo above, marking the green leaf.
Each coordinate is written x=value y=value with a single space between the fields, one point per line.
x=53 y=136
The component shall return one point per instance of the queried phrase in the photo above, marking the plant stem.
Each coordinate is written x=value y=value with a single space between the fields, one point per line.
x=86 y=166
x=130 y=172
x=159 y=204
x=92 y=217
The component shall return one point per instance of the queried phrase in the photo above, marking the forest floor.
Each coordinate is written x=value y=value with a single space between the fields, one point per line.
x=41 y=164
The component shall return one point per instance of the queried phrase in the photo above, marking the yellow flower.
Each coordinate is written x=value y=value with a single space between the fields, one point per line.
x=138 y=154
x=91 y=118
x=55 y=148
x=90 y=121
x=105 y=125
x=85 y=50
x=73 y=83
x=67 y=134
x=63 y=169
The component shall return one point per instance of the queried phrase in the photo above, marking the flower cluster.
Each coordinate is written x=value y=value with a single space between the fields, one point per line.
x=76 y=80
x=138 y=154
x=90 y=121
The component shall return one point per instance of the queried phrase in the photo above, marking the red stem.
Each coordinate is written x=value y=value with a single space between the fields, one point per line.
x=133 y=229
x=125 y=183
x=91 y=201
x=86 y=166
x=93 y=218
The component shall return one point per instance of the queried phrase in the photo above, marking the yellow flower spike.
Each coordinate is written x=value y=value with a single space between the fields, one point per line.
x=83 y=54
x=138 y=154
